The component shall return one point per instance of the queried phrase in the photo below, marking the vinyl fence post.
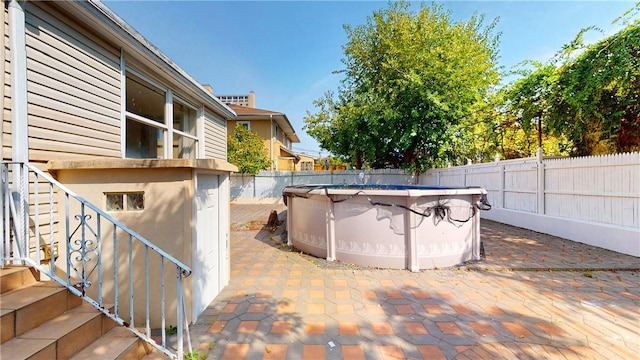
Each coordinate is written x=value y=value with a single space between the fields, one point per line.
x=540 y=190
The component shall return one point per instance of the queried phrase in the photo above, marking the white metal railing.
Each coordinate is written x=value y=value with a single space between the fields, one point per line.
x=75 y=243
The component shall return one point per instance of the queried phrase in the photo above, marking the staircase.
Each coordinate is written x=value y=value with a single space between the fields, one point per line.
x=50 y=232
x=43 y=320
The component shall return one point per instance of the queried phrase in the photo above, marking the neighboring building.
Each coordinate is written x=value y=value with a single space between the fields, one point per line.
x=240 y=100
x=96 y=105
x=305 y=162
x=276 y=131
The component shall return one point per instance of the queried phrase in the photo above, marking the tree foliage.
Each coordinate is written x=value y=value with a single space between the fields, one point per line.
x=410 y=78
x=597 y=103
x=592 y=100
x=245 y=149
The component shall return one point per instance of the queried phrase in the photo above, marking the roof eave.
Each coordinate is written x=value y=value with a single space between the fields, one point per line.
x=280 y=118
x=107 y=23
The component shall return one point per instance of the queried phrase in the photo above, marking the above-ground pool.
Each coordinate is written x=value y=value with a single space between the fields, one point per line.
x=386 y=226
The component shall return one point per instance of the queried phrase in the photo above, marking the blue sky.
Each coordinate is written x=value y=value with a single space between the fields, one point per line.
x=286 y=51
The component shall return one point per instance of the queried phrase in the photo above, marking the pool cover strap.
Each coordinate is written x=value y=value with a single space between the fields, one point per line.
x=441 y=211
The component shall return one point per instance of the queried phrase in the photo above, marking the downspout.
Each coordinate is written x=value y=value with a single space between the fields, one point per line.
x=19 y=125
x=123 y=105
x=271 y=140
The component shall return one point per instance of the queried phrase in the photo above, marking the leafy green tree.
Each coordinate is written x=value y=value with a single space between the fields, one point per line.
x=477 y=136
x=529 y=98
x=245 y=149
x=597 y=103
x=409 y=80
x=589 y=102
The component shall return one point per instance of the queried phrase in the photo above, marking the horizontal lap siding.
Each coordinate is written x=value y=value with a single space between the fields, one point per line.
x=215 y=137
x=73 y=89
x=6 y=109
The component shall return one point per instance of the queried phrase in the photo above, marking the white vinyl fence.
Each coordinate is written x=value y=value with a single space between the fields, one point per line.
x=593 y=200
x=266 y=187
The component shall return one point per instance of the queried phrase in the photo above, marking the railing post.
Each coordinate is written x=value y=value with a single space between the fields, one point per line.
x=67 y=237
x=52 y=259
x=22 y=243
x=36 y=218
x=179 y=312
x=3 y=221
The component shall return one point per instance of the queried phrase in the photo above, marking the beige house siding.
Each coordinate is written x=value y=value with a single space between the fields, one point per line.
x=215 y=137
x=73 y=89
x=74 y=57
x=6 y=88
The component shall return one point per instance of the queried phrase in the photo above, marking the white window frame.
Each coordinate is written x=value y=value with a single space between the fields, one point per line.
x=242 y=123
x=197 y=120
x=167 y=127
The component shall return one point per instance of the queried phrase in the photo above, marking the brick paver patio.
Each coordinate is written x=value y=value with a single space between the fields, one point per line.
x=534 y=297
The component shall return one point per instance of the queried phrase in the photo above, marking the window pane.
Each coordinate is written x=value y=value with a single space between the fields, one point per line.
x=135 y=201
x=114 y=202
x=144 y=141
x=183 y=147
x=145 y=99
x=184 y=118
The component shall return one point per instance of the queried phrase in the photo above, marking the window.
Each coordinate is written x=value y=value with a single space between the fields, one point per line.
x=184 y=131
x=276 y=132
x=246 y=124
x=147 y=129
x=124 y=201
x=307 y=165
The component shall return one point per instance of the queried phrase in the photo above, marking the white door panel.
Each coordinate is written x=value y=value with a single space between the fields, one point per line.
x=206 y=262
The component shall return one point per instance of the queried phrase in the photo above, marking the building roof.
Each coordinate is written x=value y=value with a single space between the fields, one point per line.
x=252 y=114
x=289 y=153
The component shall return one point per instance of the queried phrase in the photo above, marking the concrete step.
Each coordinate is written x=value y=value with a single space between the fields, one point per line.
x=117 y=344
x=15 y=277
x=42 y=320
x=71 y=332
x=156 y=355
x=26 y=308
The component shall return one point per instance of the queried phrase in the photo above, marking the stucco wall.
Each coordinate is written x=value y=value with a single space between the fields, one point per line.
x=166 y=221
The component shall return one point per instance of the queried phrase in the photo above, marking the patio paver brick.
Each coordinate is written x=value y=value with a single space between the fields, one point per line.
x=530 y=298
